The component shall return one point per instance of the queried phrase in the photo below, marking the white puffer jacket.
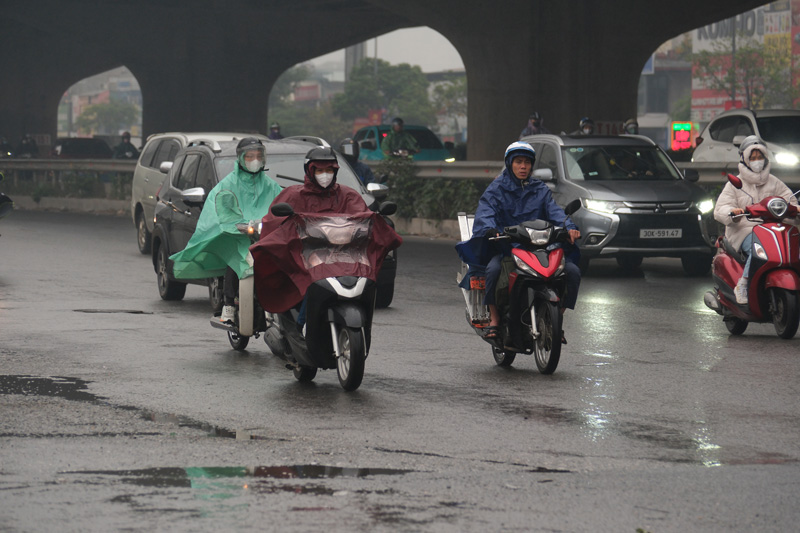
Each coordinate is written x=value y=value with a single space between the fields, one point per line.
x=759 y=185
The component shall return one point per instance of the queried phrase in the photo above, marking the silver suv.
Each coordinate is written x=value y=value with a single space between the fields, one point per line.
x=155 y=161
x=779 y=128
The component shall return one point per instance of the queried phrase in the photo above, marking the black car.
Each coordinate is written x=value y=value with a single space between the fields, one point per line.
x=204 y=164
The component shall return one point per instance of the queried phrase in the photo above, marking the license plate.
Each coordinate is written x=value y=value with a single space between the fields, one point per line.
x=660 y=233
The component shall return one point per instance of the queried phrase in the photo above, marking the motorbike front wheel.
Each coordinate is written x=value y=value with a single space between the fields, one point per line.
x=304 y=373
x=238 y=342
x=547 y=348
x=785 y=312
x=352 y=354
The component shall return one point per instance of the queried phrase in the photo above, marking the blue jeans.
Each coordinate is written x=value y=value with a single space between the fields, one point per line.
x=746 y=249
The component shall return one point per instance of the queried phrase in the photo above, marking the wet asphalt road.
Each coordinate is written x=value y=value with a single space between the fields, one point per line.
x=125 y=412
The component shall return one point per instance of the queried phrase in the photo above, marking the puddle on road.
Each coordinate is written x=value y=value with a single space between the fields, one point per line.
x=75 y=389
x=226 y=481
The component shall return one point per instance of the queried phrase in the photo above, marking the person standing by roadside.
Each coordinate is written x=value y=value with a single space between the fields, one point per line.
x=126 y=150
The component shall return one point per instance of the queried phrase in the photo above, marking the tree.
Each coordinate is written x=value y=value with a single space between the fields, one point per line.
x=401 y=90
x=761 y=73
x=107 y=118
x=450 y=97
x=319 y=121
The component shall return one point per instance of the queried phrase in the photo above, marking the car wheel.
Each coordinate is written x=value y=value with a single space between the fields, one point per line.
x=143 y=237
x=384 y=296
x=167 y=288
x=696 y=264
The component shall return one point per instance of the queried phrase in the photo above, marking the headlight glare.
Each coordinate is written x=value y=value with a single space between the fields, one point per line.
x=786 y=159
x=602 y=206
x=705 y=205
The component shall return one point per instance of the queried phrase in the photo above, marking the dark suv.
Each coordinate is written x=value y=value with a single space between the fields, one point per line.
x=204 y=164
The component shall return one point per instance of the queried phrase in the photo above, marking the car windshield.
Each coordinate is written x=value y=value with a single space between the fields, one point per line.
x=780 y=130
x=426 y=139
x=607 y=163
x=287 y=169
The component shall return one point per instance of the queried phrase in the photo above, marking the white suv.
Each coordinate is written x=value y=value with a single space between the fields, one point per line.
x=151 y=169
x=778 y=128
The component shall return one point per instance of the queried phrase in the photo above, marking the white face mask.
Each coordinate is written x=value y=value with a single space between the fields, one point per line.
x=254 y=166
x=757 y=165
x=324 y=179
x=587 y=131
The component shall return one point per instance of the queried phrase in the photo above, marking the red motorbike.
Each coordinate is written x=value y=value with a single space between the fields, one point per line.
x=530 y=306
x=774 y=282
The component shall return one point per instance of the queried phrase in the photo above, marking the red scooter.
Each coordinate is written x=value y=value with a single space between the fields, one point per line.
x=774 y=281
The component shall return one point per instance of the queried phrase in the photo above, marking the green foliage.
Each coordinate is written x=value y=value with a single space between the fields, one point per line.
x=762 y=73
x=402 y=90
x=107 y=118
x=40 y=191
x=437 y=199
x=450 y=97
x=82 y=185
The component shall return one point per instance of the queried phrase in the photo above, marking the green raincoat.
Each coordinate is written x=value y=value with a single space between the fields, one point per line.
x=216 y=243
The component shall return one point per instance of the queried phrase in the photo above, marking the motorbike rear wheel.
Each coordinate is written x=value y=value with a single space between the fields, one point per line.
x=304 y=373
x=503 y=357
x=785 y=312
x=238 y=342
x=547 y=348
x=352 y=354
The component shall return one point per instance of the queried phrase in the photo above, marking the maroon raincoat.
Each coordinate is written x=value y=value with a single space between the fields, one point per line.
x=332 y=233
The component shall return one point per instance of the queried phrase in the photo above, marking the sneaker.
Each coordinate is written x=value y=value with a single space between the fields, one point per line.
x=740 y=291
x=228 y=314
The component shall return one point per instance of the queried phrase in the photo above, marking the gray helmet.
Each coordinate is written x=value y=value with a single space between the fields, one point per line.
x=749 y=141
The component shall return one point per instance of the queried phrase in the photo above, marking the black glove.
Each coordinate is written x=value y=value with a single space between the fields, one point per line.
x=491 y=232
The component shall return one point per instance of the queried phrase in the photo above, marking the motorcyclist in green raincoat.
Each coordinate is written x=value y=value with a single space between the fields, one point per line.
x=217 y=247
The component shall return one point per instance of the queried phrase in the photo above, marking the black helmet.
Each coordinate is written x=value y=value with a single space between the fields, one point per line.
x=324 y=156
x=397 y=120
x=586 y=121
x=350 y=149
x=535 y=116
x=249 y=144
x=631 y=126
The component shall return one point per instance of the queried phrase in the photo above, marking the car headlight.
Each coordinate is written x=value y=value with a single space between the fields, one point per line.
x=539 y=237
x=705 y=205
x=786 y=159
x=602 y=206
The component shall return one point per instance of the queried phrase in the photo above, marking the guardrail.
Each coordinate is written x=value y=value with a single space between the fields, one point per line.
x=42 y=169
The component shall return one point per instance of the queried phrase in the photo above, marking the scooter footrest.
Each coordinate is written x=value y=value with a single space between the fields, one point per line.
x=221 y=325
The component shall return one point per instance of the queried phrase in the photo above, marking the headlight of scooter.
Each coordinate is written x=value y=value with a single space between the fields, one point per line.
x=760 y=252
x=539 y=237
x=525 y=267
x=777 y=207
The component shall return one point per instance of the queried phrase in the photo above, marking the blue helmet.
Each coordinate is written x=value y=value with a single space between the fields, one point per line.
x=516 y=149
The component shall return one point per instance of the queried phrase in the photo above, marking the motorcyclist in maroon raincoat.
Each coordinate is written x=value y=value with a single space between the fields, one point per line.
x=281 y=279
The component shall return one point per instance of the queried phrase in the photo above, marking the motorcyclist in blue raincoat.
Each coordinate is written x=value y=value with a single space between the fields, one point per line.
x=512 y=198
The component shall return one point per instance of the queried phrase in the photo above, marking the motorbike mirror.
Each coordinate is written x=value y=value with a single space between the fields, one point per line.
x=735 y=181
x=388 y=208
x=282 y=210
x=378 y=190
x=573 y=206
x=194 y=197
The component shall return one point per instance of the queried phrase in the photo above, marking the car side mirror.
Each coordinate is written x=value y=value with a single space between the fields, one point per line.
x=543 y=174
x=194 y=197
x=378 y=190
x=369 y=144
x=388 y=208
x=573 y=206
x=165 y=166
x=735 y=181
x=282 y=210
x=691 y=175
x=739 y=139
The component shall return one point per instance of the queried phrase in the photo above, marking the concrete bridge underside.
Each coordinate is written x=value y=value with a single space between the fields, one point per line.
x=209 y=64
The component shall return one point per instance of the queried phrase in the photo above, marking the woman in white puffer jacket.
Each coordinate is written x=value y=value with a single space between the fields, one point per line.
x=758 y=183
